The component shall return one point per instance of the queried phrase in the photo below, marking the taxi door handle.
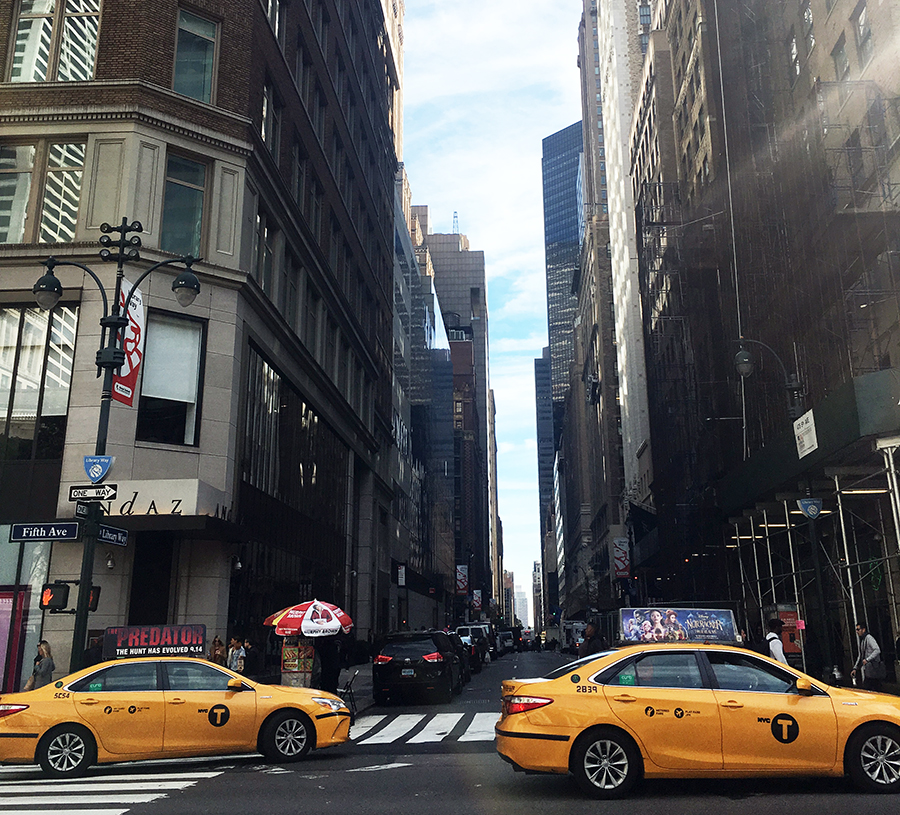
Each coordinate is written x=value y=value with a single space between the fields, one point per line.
x=624 y=697
x=88 y=701
x=177 y=701
x=732 y=704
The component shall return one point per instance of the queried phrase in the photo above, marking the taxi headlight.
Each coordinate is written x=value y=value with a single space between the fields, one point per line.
x=333 y=704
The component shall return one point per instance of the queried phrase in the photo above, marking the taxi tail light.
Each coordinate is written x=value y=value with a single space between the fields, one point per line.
x=381 y=659
x=522 y=704
x=8 y=710
x=435 y=657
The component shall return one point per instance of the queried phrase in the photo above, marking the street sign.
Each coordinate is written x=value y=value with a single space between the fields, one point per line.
x=91 y=492
x=97 y=467
x=67 y=531
x=810 y=507
x=113 y=535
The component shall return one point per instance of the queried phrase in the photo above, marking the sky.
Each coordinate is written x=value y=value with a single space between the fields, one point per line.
x=484 y=83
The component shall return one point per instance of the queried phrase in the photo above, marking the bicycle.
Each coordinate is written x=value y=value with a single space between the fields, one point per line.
x=346 y=693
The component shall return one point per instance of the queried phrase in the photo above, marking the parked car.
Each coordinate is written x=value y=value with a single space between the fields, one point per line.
x=146 y=708
x=479 y=636
x=423 y=661
x=464 y=652
x=476 y=658
x=505 y=642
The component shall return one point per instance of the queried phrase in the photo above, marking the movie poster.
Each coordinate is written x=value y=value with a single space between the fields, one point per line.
x=677 y=625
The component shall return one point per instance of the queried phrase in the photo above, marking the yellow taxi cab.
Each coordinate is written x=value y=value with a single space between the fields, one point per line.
x=692 y=711
x=144 y=708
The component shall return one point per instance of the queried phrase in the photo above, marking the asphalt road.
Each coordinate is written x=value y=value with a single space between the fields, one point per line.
x=410 y=760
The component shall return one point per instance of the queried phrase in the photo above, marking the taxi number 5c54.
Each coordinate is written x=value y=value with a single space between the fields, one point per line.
x=586 y=689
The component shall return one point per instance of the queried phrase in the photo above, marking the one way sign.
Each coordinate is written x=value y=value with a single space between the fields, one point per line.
x=93 y=492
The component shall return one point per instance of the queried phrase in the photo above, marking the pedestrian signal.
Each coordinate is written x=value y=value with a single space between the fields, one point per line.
x=54 y=596
x=94 y=598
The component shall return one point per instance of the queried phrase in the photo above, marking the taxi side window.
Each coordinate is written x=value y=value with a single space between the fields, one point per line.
x=739 y=672
x=130 y=677
x=669 y=671
x=186 y=676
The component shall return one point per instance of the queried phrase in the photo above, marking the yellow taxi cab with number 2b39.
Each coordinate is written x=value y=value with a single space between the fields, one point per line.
x=694 y=711
x=144 y=708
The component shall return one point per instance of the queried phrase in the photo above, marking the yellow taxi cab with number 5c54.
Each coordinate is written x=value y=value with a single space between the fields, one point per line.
x=144 y=708
x=693 y=711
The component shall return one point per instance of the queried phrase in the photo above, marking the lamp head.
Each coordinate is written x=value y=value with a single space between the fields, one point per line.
x=186 y=286
x=48 y=290
x=743 y=362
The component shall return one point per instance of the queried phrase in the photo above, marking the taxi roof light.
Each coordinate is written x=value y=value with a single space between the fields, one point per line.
x=522 y=704
x=8 y=710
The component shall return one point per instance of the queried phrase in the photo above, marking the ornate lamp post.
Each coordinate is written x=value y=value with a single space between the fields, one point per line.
x=110 y=358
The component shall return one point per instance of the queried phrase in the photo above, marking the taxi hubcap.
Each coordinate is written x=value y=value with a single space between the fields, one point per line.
x=66 y=752
x=606 y=764
x=880 y=758
x=290 y=737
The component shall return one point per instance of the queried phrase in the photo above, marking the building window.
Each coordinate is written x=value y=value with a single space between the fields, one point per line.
x=168 y=410
x=793 y=57
x=299 y=170
x=265 y=239
x=182 y=216
x=808 y=34
x=864 y=45
x=275 y=15
x=644 y=11
x=37 y=350
x=313 y=307
x=195 y=57
x=841 y=67
x=56 y=40
x=43 y=178
x=270 y=123
x=645 y=42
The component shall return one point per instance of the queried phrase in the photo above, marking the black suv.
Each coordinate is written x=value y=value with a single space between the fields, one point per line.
x=416 y=661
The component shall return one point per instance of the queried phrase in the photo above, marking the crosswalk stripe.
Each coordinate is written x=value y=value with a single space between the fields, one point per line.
x=396 y=729
x=363 y=725
x=438 y=728
x=77 y=800
x=482 y=727
x=104 y=780
x=67 y=811
x=104 y=786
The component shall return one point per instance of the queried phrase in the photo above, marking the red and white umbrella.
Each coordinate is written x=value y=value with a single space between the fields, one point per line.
x=311 y=619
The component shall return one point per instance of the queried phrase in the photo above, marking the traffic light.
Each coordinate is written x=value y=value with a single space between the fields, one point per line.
x=54 y=596
x=94 y=598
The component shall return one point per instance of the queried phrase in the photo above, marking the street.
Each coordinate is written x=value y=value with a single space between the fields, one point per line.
x=408 y=760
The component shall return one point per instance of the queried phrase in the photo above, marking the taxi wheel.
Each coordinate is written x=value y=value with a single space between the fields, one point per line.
x=873 y=758
x=606 y=763
x=67 y=751
x=287 y=736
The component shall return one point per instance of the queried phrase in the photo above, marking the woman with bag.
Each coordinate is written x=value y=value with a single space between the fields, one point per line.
x=869 y=662
x=43 y=668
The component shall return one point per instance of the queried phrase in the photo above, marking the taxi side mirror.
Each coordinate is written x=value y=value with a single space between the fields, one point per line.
x=235 y=684
x=804 y=686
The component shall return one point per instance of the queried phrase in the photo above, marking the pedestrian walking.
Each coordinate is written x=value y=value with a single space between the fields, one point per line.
x=236 y=655
x=773 y=640
x=42 y=673
x=869 y=664
x=592 y=643
x=329 y=653
x=217 y=652
x=252 y=660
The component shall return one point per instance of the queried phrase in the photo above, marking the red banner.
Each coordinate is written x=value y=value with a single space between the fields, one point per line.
x=125 y=382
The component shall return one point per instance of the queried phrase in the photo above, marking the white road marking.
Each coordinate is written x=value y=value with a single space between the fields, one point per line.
x=438 y=728
x=374 y=768
x=397 y=728
x=104 y=780
x=482 y=727
x=78 y=800
x=363 y=725
x=67 y=811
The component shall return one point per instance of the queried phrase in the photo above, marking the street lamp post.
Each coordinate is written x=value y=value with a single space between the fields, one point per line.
x=110 y=358
x=745 y=365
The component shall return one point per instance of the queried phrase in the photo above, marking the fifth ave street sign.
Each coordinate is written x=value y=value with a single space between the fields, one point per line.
x=67 y=531
x=93 y=492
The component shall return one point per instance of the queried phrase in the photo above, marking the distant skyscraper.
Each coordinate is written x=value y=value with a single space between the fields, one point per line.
x=560 y=165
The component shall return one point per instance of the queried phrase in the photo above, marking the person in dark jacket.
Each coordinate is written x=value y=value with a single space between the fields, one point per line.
x=253 y=666
x=592 y=642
